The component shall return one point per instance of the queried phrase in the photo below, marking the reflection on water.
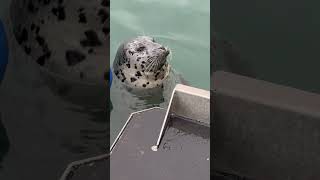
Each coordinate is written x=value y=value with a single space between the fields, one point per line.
x=183 y=26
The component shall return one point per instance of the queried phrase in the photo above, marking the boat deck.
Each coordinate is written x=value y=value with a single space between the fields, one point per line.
x=184 y=152
x=157 y=143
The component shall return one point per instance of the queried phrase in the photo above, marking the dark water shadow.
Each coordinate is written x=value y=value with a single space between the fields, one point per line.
x=82 y=93
x=92 y=101
x=150 y=97
x=226 y=56
x=4 y=142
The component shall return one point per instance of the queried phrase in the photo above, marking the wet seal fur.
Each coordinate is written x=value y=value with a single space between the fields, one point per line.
x=141 y=63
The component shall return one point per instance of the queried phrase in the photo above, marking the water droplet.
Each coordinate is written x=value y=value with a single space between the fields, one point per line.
x=154 y=148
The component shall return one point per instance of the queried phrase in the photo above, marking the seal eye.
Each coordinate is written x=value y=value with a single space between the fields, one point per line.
x=141 y=48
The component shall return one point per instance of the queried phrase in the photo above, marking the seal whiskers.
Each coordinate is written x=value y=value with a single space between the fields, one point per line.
x=152 y=65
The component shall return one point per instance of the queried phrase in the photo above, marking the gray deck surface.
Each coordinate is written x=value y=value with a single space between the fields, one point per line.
x=183 y=153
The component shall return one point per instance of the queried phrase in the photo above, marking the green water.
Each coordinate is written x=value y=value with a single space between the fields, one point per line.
x=277 y=41
x=182 y=25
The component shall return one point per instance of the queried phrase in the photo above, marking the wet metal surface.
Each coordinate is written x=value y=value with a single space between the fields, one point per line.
x=183 y=153
x=192 y=103
x=96 y=168
x=263 y=130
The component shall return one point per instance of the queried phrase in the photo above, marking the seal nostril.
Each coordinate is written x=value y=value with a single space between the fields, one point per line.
x=162 y=48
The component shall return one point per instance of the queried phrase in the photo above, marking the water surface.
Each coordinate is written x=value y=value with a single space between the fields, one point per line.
x=277 y=41
x=182 y=25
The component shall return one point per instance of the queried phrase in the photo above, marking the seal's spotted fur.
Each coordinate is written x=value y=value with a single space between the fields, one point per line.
x=141 y=63
x=68 y=38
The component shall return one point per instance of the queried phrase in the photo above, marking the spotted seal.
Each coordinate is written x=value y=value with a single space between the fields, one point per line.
x=142 y=63
x=67 y=39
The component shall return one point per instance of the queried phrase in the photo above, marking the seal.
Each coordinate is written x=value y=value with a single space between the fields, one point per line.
x=141 y=63
x=68 y=41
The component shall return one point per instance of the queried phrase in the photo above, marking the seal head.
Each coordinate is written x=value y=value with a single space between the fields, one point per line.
x=142 y=63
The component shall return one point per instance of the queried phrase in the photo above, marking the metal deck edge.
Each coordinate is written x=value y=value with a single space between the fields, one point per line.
x=182 y=88
x=125 y=125
x=257 y=132
x=80 y=162
x=283 y=101
x=103 y=156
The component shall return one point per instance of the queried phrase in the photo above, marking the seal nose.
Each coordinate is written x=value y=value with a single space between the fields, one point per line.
x=166 y=51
